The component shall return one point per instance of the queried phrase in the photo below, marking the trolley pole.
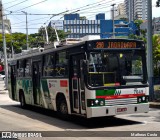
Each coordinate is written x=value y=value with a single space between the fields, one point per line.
x=26 y=30
x=150 y=50
x=113 y=20
x=4 y=47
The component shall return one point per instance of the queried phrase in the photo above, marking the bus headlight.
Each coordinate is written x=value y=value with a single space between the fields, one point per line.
x=143 y=99
x=95 y=102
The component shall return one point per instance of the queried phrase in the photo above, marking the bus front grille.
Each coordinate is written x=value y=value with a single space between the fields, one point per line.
x=121 y=101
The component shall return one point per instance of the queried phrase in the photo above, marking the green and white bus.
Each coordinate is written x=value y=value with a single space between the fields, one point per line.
x=94 y=78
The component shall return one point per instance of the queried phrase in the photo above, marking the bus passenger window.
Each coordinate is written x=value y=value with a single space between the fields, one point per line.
x=20 y=69
x=48 y=68
x=61 y=68
x=27 y=68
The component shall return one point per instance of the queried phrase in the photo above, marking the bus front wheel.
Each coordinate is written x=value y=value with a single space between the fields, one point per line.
x=22 y=101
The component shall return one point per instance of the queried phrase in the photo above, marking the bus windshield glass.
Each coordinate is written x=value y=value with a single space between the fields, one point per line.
x=115 y=68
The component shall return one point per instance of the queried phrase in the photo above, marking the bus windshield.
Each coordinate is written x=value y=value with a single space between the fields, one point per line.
x=115 y=68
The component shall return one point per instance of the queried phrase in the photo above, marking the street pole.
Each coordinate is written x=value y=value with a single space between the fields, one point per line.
x=12 y=43
x=4 y=47
x=150 y=50
x=26 y=30
x=113 y=20
x=129 y=9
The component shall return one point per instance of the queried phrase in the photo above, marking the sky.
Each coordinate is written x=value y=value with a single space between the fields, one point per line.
x=39 y=10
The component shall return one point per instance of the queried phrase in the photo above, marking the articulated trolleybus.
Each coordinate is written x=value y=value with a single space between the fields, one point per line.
x=94 y=78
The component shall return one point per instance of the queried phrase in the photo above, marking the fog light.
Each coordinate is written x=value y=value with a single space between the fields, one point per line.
x=92 y=103
x=101 y=103
x=146 y=99
x=139 y=100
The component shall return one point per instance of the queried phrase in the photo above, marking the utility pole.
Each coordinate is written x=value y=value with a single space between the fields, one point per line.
x=150 y=50
x=12 y=43
x=113 y=19
x=4 y=47
x=26 y=29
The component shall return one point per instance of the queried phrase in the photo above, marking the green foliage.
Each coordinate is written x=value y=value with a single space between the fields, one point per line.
x=156 y=54
x=138 y=22
x=132 y=36
x=123 y=18
x=52 y=34
x=18 y=40
x=83 y=18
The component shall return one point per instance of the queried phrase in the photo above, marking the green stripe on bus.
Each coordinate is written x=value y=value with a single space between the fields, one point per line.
x=45 y=87
x=105 y=92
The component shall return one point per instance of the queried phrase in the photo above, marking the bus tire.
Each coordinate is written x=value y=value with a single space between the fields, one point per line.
x=22 y=101
x=62 y=108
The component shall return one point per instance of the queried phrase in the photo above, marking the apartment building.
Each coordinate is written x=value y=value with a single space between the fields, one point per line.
x=140 y=10
x=120 y=12
x=136 y=9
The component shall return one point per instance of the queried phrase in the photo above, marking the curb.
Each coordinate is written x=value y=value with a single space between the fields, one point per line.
x=154 y=104
x=3 y=91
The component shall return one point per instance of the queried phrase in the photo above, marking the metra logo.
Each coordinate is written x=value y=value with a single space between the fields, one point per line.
x=117 y=92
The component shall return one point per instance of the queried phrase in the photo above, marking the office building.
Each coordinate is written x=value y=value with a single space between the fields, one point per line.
x=78 y=28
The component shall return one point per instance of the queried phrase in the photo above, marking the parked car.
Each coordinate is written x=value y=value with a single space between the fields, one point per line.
x=2 y=75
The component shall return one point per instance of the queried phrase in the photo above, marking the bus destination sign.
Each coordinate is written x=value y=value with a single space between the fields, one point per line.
x=112 y=44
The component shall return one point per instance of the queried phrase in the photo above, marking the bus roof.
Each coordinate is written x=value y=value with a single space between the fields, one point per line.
x=94 y=44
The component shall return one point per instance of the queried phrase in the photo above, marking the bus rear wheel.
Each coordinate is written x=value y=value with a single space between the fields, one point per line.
x=22 y=101
x=62 y=109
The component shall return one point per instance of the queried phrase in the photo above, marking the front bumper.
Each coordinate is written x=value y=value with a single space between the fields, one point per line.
x=117 y=110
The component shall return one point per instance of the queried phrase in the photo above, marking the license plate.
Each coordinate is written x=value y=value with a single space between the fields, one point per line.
x=121 y=110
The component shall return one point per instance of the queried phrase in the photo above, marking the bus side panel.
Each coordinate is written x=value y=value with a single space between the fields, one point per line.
x=50 y=88
x=25 y=85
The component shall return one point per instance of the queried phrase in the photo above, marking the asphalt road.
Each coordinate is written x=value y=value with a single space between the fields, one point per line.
x=13 y=118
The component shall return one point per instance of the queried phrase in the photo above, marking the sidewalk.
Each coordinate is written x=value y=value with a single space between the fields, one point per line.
x=2 y=89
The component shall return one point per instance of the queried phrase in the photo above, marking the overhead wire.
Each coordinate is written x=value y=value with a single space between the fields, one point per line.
x=16 y=4
x=79 y=11
x=28 y=6
x=10 y=2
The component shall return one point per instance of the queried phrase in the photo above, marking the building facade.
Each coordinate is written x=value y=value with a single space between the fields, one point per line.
x=79 y=28
x=120 y=12
x=156 y=25
x=136 y=9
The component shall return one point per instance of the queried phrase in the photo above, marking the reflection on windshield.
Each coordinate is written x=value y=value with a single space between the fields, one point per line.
x=114 y=69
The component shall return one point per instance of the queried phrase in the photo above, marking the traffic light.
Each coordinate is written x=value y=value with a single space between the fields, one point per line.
x=158 y=3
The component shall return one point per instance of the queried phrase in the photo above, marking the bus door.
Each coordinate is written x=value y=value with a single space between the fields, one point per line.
x=36 y=69
x=77 y=84
x=13 y=81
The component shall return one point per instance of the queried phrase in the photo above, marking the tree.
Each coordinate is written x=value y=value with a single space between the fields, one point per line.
x=138 y=22
x=83 y=18
x=156 y=54
x=51 y=34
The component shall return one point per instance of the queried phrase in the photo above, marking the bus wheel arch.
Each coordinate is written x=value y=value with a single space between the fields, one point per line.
x=61 y=104
x=22 y=99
